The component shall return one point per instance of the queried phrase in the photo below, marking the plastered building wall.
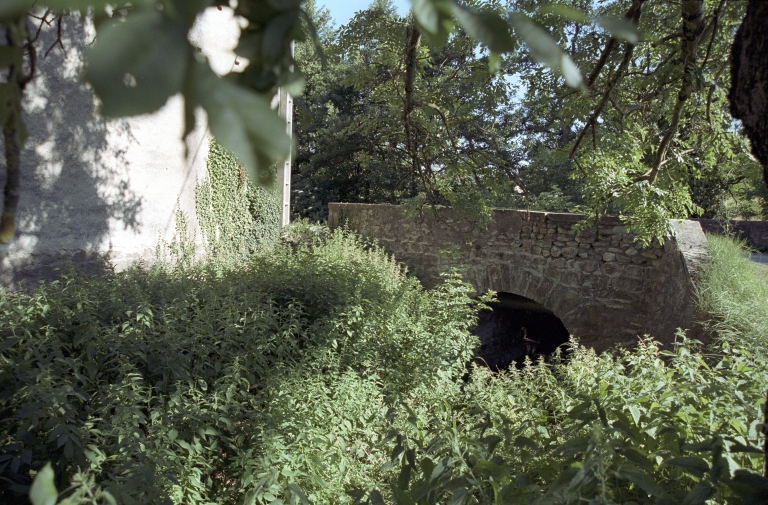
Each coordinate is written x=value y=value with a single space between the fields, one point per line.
x=96 y=188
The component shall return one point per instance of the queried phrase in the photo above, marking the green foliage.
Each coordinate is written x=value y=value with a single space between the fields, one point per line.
x=325 y=375
x=733 y=291
x=219 y=385
x=237 y=217
x=620 y=123
x=641 y=427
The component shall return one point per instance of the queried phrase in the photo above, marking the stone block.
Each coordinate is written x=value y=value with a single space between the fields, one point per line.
x=634 y=272
x=569 y=252
x=555 y=251
x=607 y=257
x=588 y=266
x=611 y=268
x=631 y=251
x=584 y=255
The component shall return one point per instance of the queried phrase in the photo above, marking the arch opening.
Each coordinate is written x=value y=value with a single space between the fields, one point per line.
x=514 y=328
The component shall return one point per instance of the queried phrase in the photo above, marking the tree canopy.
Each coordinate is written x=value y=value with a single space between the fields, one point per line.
x=627 y=99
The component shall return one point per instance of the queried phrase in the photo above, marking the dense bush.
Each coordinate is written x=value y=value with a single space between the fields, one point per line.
x=208 y=386
x=323 y=374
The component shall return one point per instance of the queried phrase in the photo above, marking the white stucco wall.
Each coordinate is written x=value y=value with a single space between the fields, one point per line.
x=93 y=186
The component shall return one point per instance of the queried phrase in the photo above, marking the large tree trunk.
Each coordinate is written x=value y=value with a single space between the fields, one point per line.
x=11 y=190
x=749 y=79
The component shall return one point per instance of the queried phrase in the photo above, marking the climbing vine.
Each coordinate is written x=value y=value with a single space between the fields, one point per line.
x=237 y=217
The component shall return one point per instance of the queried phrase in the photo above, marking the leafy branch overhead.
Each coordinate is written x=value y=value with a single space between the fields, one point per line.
x=142 y=57
x=613 y=65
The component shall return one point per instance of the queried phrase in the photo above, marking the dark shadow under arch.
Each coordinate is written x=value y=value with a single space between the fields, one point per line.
x=514 y=328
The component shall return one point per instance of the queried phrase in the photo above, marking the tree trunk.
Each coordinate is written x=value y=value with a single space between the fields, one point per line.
x=749 y=79
x=11 y=193
x=411 y=53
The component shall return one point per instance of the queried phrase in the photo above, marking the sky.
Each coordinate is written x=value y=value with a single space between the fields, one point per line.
x=343 y=10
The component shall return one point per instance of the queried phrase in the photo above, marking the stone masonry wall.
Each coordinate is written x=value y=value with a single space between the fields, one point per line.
x=605 y=288
x=754 y=232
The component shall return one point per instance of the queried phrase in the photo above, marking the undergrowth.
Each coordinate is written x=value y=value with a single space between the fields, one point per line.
x=323 y=374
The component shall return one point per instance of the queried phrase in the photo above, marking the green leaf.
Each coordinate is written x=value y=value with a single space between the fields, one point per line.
x=427 y=467
x=426 y=15
x=694 y=465
x=565 y=11
x=576 y=411
x=404 y=478
x=491 y=30
x=494 y=470
x=522 y=442
x=545 y=49
x=243 y=122
x=292 y=82
x=459 y=497
x=640 y=479
x=275 y=39
x=136 y=65
x=376 y=498
x=43 y=490
x=402 y=497
x=10 y=55
x=620 y=28
x=699 y=494
x=295 y=489
x=584 y=477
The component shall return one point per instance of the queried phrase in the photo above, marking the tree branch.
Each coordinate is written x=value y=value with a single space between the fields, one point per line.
x=693 y=27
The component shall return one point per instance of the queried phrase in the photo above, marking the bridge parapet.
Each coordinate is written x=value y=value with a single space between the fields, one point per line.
x=605 y=288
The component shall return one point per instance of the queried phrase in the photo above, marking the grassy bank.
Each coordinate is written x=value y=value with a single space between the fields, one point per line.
x=325 y=375
x=734 y=293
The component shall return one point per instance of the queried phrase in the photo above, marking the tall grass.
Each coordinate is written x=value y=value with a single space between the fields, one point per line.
x=733 y=292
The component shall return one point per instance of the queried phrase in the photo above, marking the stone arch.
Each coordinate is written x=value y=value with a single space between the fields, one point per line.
x=514 y=328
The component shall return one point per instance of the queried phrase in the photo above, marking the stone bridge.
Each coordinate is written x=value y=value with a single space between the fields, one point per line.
x=602 y=285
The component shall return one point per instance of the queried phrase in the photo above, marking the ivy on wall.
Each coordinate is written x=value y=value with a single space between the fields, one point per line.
x=237 y=217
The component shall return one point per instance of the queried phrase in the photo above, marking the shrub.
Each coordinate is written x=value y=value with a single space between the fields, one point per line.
x=323 y=374
x=218 y=385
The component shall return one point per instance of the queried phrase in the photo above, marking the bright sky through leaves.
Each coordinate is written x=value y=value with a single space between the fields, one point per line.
x=343 y=10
